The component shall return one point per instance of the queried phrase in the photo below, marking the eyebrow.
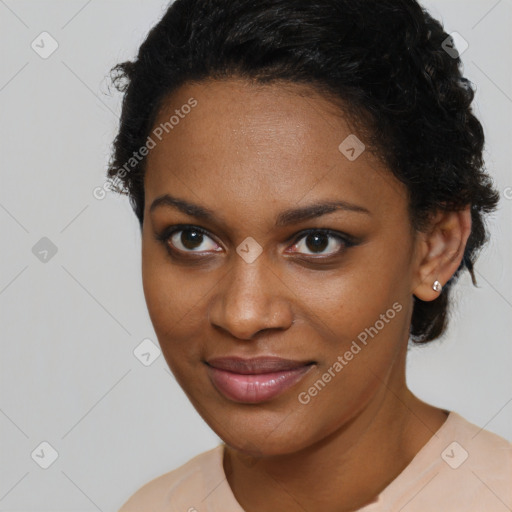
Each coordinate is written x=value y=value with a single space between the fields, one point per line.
x=285 y=218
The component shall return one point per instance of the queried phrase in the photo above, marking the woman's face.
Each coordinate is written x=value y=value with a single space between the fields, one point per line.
x=254 y=283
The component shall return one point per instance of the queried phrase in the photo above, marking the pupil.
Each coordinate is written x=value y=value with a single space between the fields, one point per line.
x=192 y=238
x=320 y=241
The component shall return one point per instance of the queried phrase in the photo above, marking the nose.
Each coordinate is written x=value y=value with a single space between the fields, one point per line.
x=251 y=298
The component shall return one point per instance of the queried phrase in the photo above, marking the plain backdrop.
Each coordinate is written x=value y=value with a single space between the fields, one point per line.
x=71 y=300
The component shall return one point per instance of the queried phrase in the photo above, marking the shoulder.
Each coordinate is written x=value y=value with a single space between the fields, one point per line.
x=178 y=487
x=482 y=459
x=483 y=446
x=462 y=467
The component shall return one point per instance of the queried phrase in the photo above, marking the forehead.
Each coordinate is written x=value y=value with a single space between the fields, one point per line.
x=282 y=119
x=259 y=144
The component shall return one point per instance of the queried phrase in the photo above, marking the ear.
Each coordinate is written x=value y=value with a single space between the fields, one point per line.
x=439 y=251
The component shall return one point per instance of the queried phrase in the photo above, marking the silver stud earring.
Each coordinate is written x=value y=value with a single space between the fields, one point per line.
x=437 y=286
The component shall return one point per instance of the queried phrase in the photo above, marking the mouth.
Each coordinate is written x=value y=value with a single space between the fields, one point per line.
x=255 y=380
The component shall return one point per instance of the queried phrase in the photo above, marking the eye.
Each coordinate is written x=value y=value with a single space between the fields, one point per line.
x=323 y=242
x=193 y=239
x=188 y=239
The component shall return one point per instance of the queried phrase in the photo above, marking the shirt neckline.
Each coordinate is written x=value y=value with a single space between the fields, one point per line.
x=421 y=460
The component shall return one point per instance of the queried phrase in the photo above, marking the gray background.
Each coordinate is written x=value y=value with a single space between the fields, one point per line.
x=70 y=323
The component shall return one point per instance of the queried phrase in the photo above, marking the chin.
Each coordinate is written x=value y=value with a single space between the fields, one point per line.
x=257 y=432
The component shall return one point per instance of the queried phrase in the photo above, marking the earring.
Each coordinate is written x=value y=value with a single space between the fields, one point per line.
x=437 y=286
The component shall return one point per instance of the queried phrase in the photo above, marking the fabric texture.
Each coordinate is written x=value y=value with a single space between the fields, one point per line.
x=461 y=468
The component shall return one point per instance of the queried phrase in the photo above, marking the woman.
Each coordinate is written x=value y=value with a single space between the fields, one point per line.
x=309 y=182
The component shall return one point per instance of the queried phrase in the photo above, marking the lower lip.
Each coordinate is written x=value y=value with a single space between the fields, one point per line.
x=255 y=388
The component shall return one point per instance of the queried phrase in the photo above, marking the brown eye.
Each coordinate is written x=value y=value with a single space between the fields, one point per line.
x=191 y=239
x=318 y=241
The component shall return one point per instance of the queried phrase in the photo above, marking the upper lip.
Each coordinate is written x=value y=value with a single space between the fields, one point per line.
x=255 y=365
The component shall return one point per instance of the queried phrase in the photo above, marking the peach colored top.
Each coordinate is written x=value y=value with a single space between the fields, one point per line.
x=461 y=468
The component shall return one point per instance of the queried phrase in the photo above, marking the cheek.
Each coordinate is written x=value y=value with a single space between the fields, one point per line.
x=343 y=302
x=175 y=301
x=166 y=306
x=168 y=289
x=353 y=368
x=360 y=314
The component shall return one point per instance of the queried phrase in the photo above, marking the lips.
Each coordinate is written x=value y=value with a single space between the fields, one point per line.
x=255 y=380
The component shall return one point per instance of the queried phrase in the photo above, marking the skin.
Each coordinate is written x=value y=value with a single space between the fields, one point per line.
x=247 y=153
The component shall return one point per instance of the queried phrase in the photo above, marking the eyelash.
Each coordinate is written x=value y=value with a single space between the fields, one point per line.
x=164 y=236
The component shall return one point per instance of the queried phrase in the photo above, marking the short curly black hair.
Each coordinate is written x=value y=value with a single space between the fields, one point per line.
x=386 y=62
